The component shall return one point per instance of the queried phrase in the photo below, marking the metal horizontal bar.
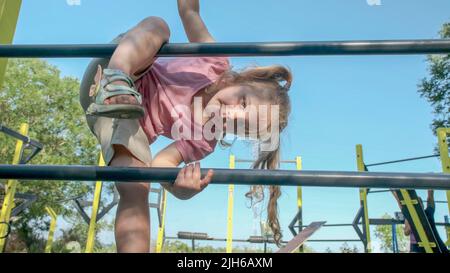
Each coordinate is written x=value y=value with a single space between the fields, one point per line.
x=288 y=161
x=21 y=137
x=244 y=160
x=367 y=47
x=388 y=222
x=379 y=191
x=384 y=222
x=331 y=225
x=176 y=238
x=269 y=241
x=234 y=176
x=334 y=240
x=402 y=160
x=251 y=161
x=193 y=235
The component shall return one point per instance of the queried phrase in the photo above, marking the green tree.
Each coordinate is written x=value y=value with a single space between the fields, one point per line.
x=345 y=248
x=78 y=233
x=176 y=246
x=35 y=93
x=384 y=234
x=435 y=88
x=308 y=249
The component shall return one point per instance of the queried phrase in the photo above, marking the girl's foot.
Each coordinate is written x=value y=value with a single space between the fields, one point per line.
x=115 y=96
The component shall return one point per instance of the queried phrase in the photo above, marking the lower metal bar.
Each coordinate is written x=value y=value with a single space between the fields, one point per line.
x=227 y=176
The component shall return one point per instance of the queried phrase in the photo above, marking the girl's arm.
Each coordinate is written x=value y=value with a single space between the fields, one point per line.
x=195 y=28
x=407 y=229
x=430 y=198
x=189 y=181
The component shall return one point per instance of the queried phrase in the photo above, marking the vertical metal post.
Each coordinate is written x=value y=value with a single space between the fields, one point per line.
x=298 y=166
x=447 y=222
x=161 y=229
x=394 y=238
x=90 y=242
x=229 y=248
x=9 y=15
x=363 y=200
x=10 y=190
x=51 y=231
x=445 y=162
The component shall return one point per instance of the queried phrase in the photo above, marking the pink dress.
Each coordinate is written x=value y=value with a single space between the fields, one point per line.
x=167 y=89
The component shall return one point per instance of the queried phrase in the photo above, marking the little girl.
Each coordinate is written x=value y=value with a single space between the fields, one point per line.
x=134 y=97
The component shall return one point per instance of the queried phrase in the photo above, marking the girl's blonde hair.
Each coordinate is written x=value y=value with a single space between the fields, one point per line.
x=278 y=80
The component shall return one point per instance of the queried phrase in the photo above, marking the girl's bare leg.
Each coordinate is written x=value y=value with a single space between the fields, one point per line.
x=132 y=226
x=137 y=50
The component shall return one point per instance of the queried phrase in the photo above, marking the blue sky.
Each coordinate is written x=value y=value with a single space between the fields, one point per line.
x=338 y=101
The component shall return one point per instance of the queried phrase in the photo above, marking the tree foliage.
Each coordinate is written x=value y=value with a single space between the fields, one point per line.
x=436 y=87
x=384 y=234
x=177 y=246
x=35 y=93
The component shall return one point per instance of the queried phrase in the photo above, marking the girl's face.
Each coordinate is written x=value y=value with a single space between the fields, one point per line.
x=239 y=106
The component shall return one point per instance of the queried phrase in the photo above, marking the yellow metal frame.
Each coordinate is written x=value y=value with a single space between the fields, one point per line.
x=9 y=15
x=445 y=161
x=298 y=167
x=423 y=239
x=161 y=229
x=90 y=242
x=8 y=202
x=363 y=197
x=229 y=248
x=51 y=231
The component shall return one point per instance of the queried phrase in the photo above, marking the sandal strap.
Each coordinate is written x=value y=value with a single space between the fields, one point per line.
x=106 y=89
x=112 y=75
x=113 y=90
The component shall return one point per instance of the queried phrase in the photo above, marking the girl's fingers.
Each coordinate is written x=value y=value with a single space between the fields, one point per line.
x=196 y=173
x=207 y=179
x=189 y=178
x=189 y=170
x=180 y=176
x=182 y=173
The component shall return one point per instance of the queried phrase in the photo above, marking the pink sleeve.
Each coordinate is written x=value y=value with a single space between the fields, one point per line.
x=219 y=65
x=194 y=150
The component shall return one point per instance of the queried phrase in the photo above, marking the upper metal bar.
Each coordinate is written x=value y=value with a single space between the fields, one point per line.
x=366 y=47
x=235 y=176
